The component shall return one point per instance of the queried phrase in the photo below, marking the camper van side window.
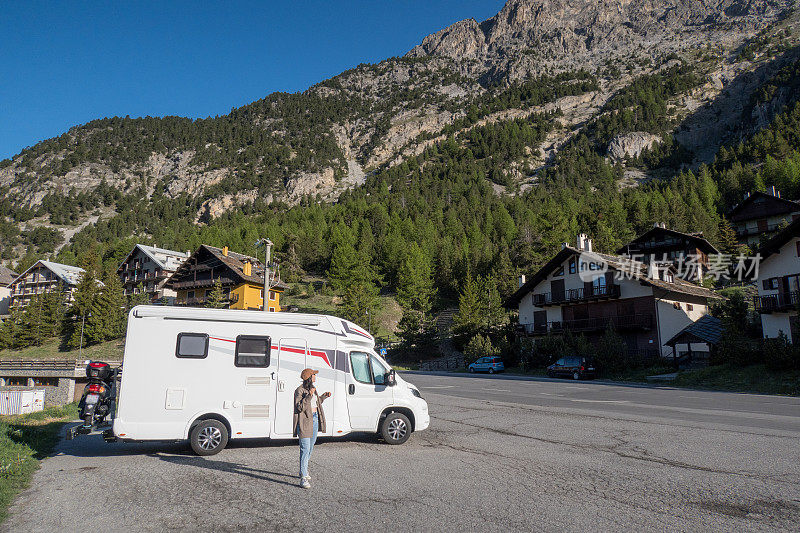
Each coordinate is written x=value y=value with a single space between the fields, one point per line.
x=192 y=345
x=359 y=361
x=252 y=351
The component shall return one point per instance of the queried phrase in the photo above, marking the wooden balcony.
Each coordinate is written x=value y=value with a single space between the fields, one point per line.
x=580 y=295
x=769 y=228
x=641 y=322
x=782 y=301
x=201 y=283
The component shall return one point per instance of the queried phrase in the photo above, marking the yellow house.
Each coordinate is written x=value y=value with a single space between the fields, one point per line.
x=240 y=276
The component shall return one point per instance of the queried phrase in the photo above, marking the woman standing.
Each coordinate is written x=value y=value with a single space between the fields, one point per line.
x=308 y=420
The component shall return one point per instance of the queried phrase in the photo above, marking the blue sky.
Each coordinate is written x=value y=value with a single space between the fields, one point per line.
x=65 y=63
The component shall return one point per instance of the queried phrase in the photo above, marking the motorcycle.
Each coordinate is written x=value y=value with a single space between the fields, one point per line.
x=99 y=398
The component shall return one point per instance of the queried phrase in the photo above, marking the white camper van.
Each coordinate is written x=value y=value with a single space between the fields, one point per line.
x=211 y=375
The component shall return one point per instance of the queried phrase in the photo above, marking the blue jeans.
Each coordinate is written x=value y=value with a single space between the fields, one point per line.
x=306 y=447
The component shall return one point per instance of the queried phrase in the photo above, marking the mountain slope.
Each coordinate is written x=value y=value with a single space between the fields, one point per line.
x=573 y=70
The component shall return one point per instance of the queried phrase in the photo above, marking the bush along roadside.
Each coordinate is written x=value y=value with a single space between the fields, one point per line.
x=24 y=441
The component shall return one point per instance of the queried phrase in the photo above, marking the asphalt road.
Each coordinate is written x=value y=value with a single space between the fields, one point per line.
x=500 y=454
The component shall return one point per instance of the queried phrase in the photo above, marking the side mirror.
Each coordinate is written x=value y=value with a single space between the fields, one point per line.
x=391 y=379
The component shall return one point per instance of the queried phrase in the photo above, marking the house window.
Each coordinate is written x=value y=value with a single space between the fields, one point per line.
x=573 y=266
x=271 y=295
x=559 y=271
x=45 y=382
x=190 y=294
x=192 y=346
x=770 y=284
x=797 y=244
x=252 y=351
x=689 y=307
x=599 y=285
x=16 y=381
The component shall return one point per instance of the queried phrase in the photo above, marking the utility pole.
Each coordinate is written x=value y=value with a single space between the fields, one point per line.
x=267 y=244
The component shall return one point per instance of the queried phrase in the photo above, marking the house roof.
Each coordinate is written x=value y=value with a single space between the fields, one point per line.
x=635 y=269
x=165 y=259
x=6 y=276
x=706 y=329
x=235 y=262
x=67 y=273
x=774 y=205
x=697 y=238
x=774 y=244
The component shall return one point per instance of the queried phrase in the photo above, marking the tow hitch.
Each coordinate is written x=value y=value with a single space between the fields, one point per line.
x=108 y=434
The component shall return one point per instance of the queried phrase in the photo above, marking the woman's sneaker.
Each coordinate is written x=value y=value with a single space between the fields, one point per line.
x=305 y=483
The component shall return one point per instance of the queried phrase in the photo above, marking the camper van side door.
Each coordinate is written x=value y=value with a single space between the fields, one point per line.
x=254 y=368
x=367 y=391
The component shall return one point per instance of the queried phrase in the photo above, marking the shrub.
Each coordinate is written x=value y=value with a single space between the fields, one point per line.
x=780 y=354
x=479 y=346
x=736 y=349
x=548 y=349
x=610 y=353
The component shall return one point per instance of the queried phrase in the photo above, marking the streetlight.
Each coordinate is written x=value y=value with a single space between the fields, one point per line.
x=267 y=244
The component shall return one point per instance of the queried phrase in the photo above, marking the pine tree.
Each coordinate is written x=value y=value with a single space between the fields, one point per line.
x=54 y=312
x=216 y=298
x=10 y=329
x=469 y=319
x=106 y=318
x=139 y=297
x=727 y=237
x=358 y=300
x=291 y=265
x=415 y=282
x=84 y=297
x=418 y=335
x=33 y=330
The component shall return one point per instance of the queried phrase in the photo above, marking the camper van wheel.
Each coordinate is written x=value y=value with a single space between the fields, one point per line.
x=396 y=428
x=208 y=437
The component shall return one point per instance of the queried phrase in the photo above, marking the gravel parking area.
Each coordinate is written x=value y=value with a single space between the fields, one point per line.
x=483 y=464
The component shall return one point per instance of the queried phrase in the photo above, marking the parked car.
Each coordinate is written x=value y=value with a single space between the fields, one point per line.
x=487 y=364
x=572 y=366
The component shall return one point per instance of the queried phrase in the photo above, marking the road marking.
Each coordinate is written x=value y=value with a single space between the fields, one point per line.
x=597 y=401
x=438 y=386
x=499 y=390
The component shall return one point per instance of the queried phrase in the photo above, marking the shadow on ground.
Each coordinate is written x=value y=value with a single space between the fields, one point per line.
x=95 y=446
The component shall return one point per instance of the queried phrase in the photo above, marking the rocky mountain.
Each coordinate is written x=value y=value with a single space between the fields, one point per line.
x=575 y=61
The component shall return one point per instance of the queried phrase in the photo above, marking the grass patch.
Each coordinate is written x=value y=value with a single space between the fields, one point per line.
x=24 y=441
x=405 y=367
x=111 y=350
x=323 y=302
x=757 y=378
x=638 y=375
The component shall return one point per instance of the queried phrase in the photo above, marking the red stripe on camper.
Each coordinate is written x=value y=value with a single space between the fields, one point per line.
x=314 y=353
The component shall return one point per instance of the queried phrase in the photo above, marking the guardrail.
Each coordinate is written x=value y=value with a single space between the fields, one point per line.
x=453 y=362
x=48 y=364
